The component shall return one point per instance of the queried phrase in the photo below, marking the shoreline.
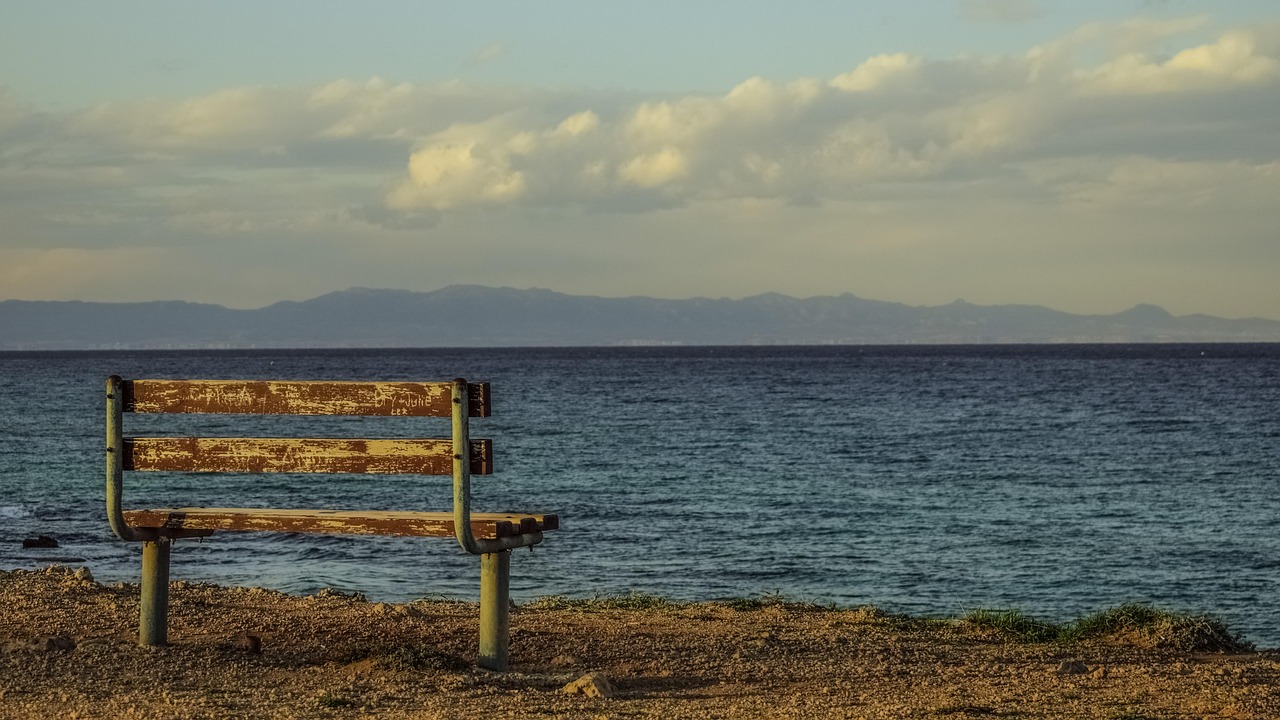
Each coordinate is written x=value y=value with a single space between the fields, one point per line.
x=67 y=649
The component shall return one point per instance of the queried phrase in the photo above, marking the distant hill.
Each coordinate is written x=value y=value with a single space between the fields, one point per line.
x=470 y=315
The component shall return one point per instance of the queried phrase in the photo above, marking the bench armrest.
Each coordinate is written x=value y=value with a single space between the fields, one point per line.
x=115 y=463
x=462 y=485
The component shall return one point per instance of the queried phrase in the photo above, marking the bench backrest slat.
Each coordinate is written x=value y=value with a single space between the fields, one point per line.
x=431 y=399
x=301 y=455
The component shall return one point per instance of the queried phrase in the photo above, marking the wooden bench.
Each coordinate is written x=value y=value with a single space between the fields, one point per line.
x=492 y=536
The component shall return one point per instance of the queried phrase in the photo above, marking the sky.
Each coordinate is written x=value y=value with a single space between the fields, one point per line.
x=1086 y=156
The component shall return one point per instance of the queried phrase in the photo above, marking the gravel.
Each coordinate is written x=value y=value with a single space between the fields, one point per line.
x=67 y=650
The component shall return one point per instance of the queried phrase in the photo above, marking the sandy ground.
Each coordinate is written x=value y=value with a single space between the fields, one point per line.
x=335 y=656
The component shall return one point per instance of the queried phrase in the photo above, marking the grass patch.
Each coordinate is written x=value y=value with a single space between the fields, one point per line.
x=1131 y=623
x=1013 y=625
x=1152 y=627
x=1134 y=623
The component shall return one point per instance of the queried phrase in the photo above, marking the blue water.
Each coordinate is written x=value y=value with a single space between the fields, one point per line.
x=1055 y=479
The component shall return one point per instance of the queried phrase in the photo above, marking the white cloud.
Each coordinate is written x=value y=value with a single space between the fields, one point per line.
x=892 y=118
x=654 y=169
x=447 y=175
x=1111 y=120
x=579 y=124
x=1233 y=60
x=877 y=71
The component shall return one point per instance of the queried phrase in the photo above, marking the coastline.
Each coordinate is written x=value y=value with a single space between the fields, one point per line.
x=67 y=650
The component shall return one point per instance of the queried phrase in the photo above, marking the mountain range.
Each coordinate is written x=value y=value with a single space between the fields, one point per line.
x=472 y=315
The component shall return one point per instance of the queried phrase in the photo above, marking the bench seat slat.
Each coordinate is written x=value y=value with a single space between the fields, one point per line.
x=401 y=456
x=411 y=399
x=346 y=522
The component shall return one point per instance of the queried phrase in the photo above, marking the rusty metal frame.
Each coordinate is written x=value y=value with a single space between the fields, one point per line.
x=495 y=554
x=115 y=463
x=462 y=486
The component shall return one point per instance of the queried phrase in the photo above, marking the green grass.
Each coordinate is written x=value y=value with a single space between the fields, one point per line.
x=1012 y=624
x=1134 y=622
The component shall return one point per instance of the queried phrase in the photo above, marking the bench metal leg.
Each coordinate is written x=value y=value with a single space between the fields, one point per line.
x=153 y=628
x=495 y=617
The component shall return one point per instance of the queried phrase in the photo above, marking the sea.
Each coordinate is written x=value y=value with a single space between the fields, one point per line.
x=1058 y=480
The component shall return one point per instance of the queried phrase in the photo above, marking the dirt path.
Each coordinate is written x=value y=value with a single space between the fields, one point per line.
x=330 y=655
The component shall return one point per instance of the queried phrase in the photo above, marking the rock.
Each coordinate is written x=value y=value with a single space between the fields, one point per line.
x=594 y=685
x=1072 y=667
x=83 y=575
x=41 y=541
x=247 y=643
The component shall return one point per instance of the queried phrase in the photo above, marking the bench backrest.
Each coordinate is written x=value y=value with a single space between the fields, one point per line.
x=300 y=455
x=458 y=455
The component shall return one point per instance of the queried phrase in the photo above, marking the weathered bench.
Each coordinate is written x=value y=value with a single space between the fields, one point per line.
x=492 y=536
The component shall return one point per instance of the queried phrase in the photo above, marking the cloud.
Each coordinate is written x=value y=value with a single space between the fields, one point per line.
x=1234 y=60
x=1137 y=182
x=1004 y=11
x=893 y=118
x=489 y=54
x=655 y=169
x=877 y=71
x=465 y=164
x=899 y=153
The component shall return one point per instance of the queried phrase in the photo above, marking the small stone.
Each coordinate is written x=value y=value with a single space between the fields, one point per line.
x=593 y=685
x=247 y=643
x=41 y=541
x=1072 y=667
x=83 y=575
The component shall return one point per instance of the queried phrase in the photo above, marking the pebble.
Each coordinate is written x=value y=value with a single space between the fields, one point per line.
x=594 y=685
